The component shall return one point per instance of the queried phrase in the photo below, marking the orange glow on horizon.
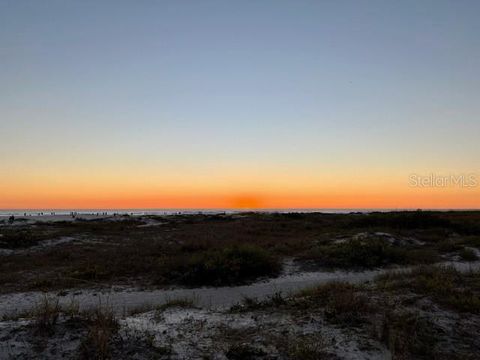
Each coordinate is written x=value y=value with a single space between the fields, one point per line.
x=338 y=200
x=368 y=191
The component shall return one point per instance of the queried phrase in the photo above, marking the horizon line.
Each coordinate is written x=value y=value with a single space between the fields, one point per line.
x=245 y=209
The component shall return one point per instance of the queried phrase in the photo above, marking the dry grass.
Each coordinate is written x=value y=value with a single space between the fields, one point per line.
x=251 y=304
x=46 y=314
x=173 y=303
x=307 y=348
x=444 y=285
x=102 y=325
x=407 y=335
x=121 y=252
x=342 y=302
x=244 y=352
x=468 y=254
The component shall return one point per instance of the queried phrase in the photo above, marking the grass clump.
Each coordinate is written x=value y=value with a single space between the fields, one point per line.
x=251 y=304
x=421 y=256
x=46 y=315
x=445 y=285
x=447 y=245
x=102 y=325
x=403 y=220
x=19 y=238
x=468 y=254
x=307 y=348
x=473 y=241
x=407 y=335
x=174 y=303
x=342 y=302
x=365 y=253
x=228 y=266
x=183 y=303
x=244 y=352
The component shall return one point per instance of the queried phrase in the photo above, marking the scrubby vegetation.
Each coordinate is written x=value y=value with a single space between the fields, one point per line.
x=228 y=266
x=428 y=312
x=359 y=254
x=402 y=220
x=393 y=310
x=223 y=249
x=173 y=303
x=46 y=315
x=102 y=325
x=307 y=348
x=19 y=238
x=407 y=335
x=243 y=352
x=468 y=254
x=444 y=285
x=342 y=302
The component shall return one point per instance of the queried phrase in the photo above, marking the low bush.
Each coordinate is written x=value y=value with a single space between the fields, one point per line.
x=228 y=266
x=366 y=253
x=16 y=239
x=447 y=245
x=468 y=254
x=402 y=220
x=420 y=256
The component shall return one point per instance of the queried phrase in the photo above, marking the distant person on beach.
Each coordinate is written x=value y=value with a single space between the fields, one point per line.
x=11 y=219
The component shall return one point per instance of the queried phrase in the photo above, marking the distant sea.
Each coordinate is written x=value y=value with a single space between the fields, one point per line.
x=137 y=212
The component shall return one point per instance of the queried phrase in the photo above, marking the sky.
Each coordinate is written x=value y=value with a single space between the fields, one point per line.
x=239 y=104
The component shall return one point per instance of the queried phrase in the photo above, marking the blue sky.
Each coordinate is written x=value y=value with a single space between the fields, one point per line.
x=208 y=88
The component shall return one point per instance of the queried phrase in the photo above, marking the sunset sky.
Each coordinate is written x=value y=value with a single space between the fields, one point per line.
x=238 y=104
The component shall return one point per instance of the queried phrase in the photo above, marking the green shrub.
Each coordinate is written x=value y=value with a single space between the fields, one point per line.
x=366 y=253
x=421 y=256
x=468 y=254
x=228 y=266
x=447 y=245
x=16 y=239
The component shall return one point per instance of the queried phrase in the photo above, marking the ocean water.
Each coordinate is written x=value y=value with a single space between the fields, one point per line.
x=137 y=212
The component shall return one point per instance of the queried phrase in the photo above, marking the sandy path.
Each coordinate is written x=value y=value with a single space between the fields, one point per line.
x=126 y=299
